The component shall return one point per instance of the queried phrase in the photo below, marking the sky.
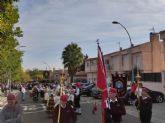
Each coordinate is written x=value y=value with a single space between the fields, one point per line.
x=50 y=25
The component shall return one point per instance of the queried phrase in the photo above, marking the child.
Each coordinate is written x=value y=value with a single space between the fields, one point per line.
x=50 y=105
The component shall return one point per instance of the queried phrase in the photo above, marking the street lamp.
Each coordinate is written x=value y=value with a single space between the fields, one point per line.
x=115 y=22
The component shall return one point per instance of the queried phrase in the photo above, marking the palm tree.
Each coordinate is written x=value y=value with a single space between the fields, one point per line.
x=72 y=59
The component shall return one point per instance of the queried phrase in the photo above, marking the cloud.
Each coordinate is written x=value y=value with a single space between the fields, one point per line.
x=49 y=25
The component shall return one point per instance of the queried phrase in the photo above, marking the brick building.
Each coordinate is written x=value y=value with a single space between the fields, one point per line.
x=148 y=58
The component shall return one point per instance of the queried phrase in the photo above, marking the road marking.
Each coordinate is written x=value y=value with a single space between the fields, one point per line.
x=34 y=112
x=31 y=108
x=25 y=108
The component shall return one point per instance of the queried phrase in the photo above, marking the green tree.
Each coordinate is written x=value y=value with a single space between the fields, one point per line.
x=25 y=76
x=10 y=57
x=72 y=59
x=35 y=74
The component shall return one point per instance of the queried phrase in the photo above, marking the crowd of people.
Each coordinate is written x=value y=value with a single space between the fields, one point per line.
x=50 y=95
x=63 y=104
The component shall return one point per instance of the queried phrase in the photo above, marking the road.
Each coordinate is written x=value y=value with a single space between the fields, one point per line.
x=36 y=112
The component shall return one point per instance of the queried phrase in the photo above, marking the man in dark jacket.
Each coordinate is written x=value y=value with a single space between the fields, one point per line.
x=144 y=104
x=67 y=114
x=114 y=108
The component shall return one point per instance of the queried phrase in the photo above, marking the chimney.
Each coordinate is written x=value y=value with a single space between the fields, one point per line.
x=162 y=37
x=162 y=34
x=154 y=37
x=156 y=53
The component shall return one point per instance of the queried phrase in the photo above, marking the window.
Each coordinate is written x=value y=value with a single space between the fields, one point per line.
x=91 y=62
x=108 y=67
x=137 y=60
x=106 y=61
x=149 y=77
x=152 y=77
x=87 y=64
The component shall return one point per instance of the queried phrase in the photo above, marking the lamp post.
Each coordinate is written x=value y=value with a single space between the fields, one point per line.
x=115 y=22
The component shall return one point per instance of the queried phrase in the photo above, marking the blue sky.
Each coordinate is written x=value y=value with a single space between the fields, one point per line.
x=49 y=25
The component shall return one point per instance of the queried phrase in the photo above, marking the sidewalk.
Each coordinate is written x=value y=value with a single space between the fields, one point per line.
x=3 y=99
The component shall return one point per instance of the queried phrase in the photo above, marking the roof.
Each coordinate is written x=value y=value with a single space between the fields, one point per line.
x=119 y=51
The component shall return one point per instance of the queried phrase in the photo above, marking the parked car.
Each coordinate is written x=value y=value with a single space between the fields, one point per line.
x=87 y=89
x=157 y=97
x=96 y=93
x=83 y=83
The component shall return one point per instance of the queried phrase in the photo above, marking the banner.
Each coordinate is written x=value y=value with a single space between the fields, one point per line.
x=101 y=81
x=46 y=74
x=120 y=83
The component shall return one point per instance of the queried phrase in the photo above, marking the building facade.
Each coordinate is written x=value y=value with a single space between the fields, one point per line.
x=147 y=58
x=79 y=76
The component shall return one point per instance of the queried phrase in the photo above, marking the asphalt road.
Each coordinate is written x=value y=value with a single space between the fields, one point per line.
x=36 y=112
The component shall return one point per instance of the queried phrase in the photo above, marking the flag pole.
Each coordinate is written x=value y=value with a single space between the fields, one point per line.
x=101 y=80
x=138 y=77
x=61 y=93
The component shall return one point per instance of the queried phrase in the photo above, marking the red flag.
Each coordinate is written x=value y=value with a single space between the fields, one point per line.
x=133 y=88
x=101 y=81
x=101 y=73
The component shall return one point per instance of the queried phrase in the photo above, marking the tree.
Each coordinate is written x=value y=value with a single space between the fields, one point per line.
x=35 y=74
x=25 y=77
x=72 y=59
x=10 y=57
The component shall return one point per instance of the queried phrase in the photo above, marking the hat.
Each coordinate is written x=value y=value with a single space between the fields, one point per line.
x=112 y=90
x=78 y=84
x=11 y=96
x=64 y=98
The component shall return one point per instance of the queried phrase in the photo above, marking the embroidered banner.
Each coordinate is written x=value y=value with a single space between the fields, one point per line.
x=120 y=83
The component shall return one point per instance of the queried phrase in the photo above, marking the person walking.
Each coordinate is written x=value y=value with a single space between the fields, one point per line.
x=23 y=91
x=50 y=105
x=67 y=114
x=77 y=98
x=144 y=105
x=12 y=112
x=46 y=94
x=114 y=107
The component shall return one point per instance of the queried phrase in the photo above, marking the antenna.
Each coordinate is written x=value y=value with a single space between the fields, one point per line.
x=97 y=41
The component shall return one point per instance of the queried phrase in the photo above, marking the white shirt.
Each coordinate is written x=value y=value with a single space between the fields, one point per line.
x=77 y=91
x=56 y=100
x=71 y=98
x=23 y=90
